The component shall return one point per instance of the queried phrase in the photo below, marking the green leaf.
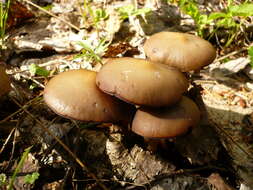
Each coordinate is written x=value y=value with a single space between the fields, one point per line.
x=37 y=70
x=125 y=11
x=130 y=10
x=48 y=7
x=216 y=15
x=226 y=23
x=250 y=53
x=19 y=167
x=31 y=178
x=141 y=11
x=33 y=86
x=3 y=179
x=203 y=19
x=91 y=52
x=245 y=9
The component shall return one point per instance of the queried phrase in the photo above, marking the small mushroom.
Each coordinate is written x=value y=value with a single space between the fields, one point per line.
x=141 y=82
x=74 y=94
x=168 y=122
x=5 y=86
x=185 y=51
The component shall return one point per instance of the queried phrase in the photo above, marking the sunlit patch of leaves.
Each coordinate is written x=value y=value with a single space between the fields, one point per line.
x=227 y=19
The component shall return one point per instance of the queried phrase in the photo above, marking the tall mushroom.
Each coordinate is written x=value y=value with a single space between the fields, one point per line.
x=184 y=51
x=74 y=94
x=4 y=82
x=141 y=82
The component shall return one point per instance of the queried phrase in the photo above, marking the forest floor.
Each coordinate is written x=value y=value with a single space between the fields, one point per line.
x=41 y=150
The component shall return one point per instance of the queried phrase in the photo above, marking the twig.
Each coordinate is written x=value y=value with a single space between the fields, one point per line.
x=230 y=54
x=13 y=145
x=21 y=109
x=53 y=15
x=116 y=180
x=32 y=79
x=83 y=166
x=7 y=140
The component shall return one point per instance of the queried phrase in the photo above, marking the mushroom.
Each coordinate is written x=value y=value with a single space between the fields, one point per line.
x=184 y=51
x=141 y=82
x=5 y=86
x=167 y=122
x=74 y=94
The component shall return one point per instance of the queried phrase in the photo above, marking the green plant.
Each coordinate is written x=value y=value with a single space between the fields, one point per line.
x=93 y=52
x=18 y=168
x=4 y=9
x=37 y=70
x=3 y=180
x=31 y=178
x=96 y=15
x=48 y=7
x=250 y=53
x=191 y=8
x=131 y=10
x=226 y=19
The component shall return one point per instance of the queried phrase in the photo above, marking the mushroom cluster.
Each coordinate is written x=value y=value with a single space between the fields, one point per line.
x=154 y=86
x=5 y=86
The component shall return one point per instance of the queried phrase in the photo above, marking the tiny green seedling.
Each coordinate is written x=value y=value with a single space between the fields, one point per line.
x=31 y=178
x=19 y=167
x=92 y=53
x=37 y=70
x=191 y=8
x=4 y=9
x=3 y=180
x=130 y=10
x=250 y=53
x=96 y=15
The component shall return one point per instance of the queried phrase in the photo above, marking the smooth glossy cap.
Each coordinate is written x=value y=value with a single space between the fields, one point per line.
x=141 y=82
x=167 y=122
x=4 y=82
x=185 y=51
x=74 y=94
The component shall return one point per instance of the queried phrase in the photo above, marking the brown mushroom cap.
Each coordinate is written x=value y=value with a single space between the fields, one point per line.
x=167 y=122
x=184 y=51
x=141 y=82
x=74 y=94
x=4 y=82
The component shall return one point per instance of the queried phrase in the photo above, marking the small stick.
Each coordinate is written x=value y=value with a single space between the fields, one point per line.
x=53 y=15
x=7 y=140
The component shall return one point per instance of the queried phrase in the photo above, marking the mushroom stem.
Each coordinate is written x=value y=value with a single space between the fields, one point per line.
x=153 y=144
x=5 y=86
